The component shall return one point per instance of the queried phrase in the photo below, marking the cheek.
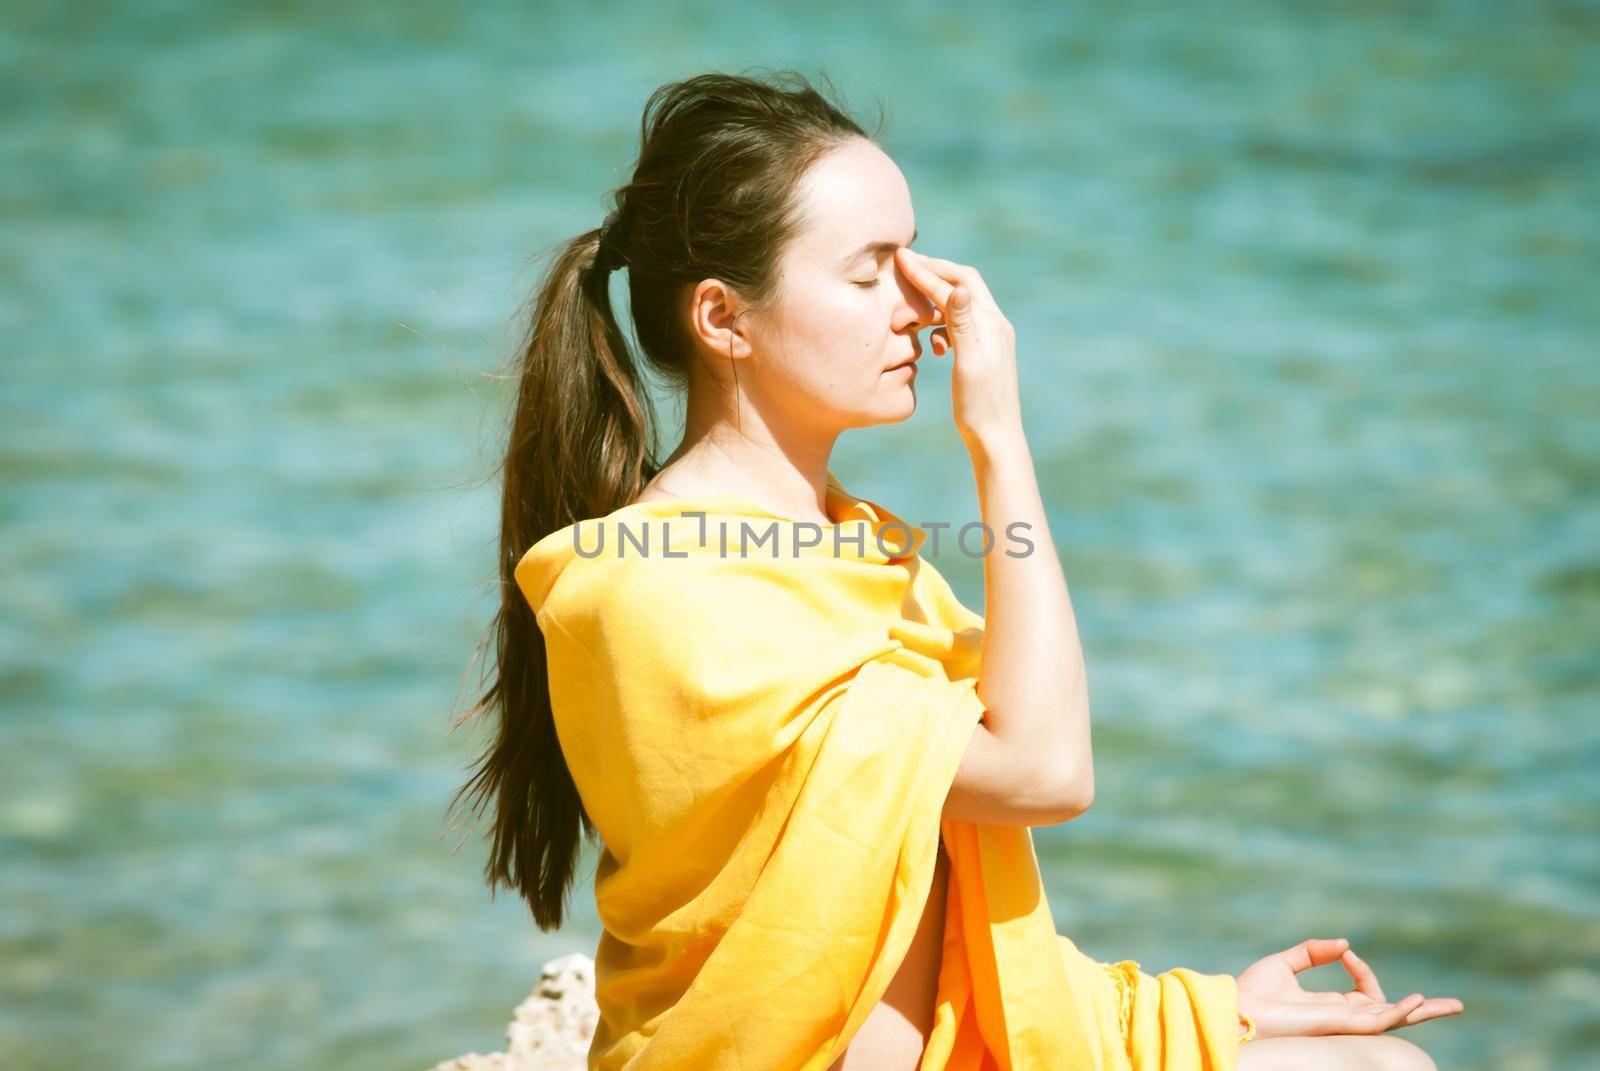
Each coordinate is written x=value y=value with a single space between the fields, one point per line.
x=856 y=322
x=848 y=340
x=846 y=310
x=835 y=342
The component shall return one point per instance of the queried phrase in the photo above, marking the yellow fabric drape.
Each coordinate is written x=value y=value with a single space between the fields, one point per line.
x=763 y=718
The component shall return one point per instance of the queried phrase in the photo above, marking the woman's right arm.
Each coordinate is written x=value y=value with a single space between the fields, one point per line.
x=1030 y=761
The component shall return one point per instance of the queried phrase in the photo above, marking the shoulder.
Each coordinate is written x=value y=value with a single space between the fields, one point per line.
x=712 y=628
x=692 y=600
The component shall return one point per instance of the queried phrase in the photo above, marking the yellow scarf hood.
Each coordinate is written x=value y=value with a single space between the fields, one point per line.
x=763 y=722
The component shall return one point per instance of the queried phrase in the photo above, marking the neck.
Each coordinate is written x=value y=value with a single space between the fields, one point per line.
x=786 y=472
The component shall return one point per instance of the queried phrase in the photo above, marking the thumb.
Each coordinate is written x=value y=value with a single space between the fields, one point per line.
x=960 y=318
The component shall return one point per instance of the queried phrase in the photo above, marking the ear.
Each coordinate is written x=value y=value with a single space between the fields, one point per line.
x=717 y=316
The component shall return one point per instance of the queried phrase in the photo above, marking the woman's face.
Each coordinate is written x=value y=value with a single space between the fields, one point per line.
x=820 y=357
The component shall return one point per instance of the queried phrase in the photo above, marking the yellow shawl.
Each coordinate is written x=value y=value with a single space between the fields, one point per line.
x=763 y=718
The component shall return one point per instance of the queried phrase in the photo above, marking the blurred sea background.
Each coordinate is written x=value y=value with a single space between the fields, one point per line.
x=1307 y=318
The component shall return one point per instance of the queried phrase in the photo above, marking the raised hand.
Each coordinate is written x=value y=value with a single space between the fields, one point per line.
x=1270 y=993
x=983 y=390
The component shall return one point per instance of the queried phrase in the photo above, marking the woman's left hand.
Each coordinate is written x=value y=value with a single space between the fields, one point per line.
x=1270 y=993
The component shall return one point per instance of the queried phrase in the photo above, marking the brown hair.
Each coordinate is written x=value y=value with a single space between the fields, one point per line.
x=713 y=194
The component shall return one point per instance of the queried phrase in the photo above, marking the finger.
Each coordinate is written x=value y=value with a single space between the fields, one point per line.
x=1366 y=980
x=1314 y=952
x=1383 y=1018
x=961 y=320
x=940 y=341
x=1434 y=1008
x=924 y=278
x=1408 y=1005
x=957 y=275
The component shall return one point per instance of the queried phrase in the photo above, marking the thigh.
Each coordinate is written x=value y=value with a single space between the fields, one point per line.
x=1335 y=1052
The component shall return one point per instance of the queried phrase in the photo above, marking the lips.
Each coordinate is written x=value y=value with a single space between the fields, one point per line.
x=909 y=360
x=916 y=351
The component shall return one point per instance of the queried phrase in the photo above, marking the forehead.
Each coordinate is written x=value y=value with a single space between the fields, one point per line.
x=852 y=195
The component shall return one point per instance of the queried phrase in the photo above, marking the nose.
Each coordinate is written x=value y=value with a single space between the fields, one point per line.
x=923 y=311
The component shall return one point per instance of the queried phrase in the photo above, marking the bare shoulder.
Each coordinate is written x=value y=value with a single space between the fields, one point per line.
x=653 y=493
x=684 y=483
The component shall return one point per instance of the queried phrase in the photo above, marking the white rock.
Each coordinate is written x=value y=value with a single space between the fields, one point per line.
x=551 y=1029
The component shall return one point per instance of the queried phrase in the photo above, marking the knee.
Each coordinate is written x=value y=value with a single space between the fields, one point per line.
x=1398 y=1054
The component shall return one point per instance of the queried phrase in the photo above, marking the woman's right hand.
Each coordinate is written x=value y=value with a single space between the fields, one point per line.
x=983 y=388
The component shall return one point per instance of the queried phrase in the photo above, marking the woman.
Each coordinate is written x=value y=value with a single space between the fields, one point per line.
x=813 y=773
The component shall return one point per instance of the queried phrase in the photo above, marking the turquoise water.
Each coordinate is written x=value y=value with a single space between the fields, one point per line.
x=1306 y=319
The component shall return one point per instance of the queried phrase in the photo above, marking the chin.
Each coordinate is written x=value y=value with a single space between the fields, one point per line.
x=895 y=408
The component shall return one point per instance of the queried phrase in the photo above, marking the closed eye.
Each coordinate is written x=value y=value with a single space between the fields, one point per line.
x=866 y=285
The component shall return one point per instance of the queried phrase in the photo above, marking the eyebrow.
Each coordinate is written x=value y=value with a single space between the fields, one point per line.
x=878 y=247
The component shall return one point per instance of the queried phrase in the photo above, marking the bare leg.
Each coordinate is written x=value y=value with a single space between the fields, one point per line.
x=1335 y=1052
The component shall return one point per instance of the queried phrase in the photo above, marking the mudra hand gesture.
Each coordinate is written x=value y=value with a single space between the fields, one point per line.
x=1270 y=993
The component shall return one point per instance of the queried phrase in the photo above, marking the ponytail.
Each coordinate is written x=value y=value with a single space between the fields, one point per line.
x=712 y=195
x=580 y=443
